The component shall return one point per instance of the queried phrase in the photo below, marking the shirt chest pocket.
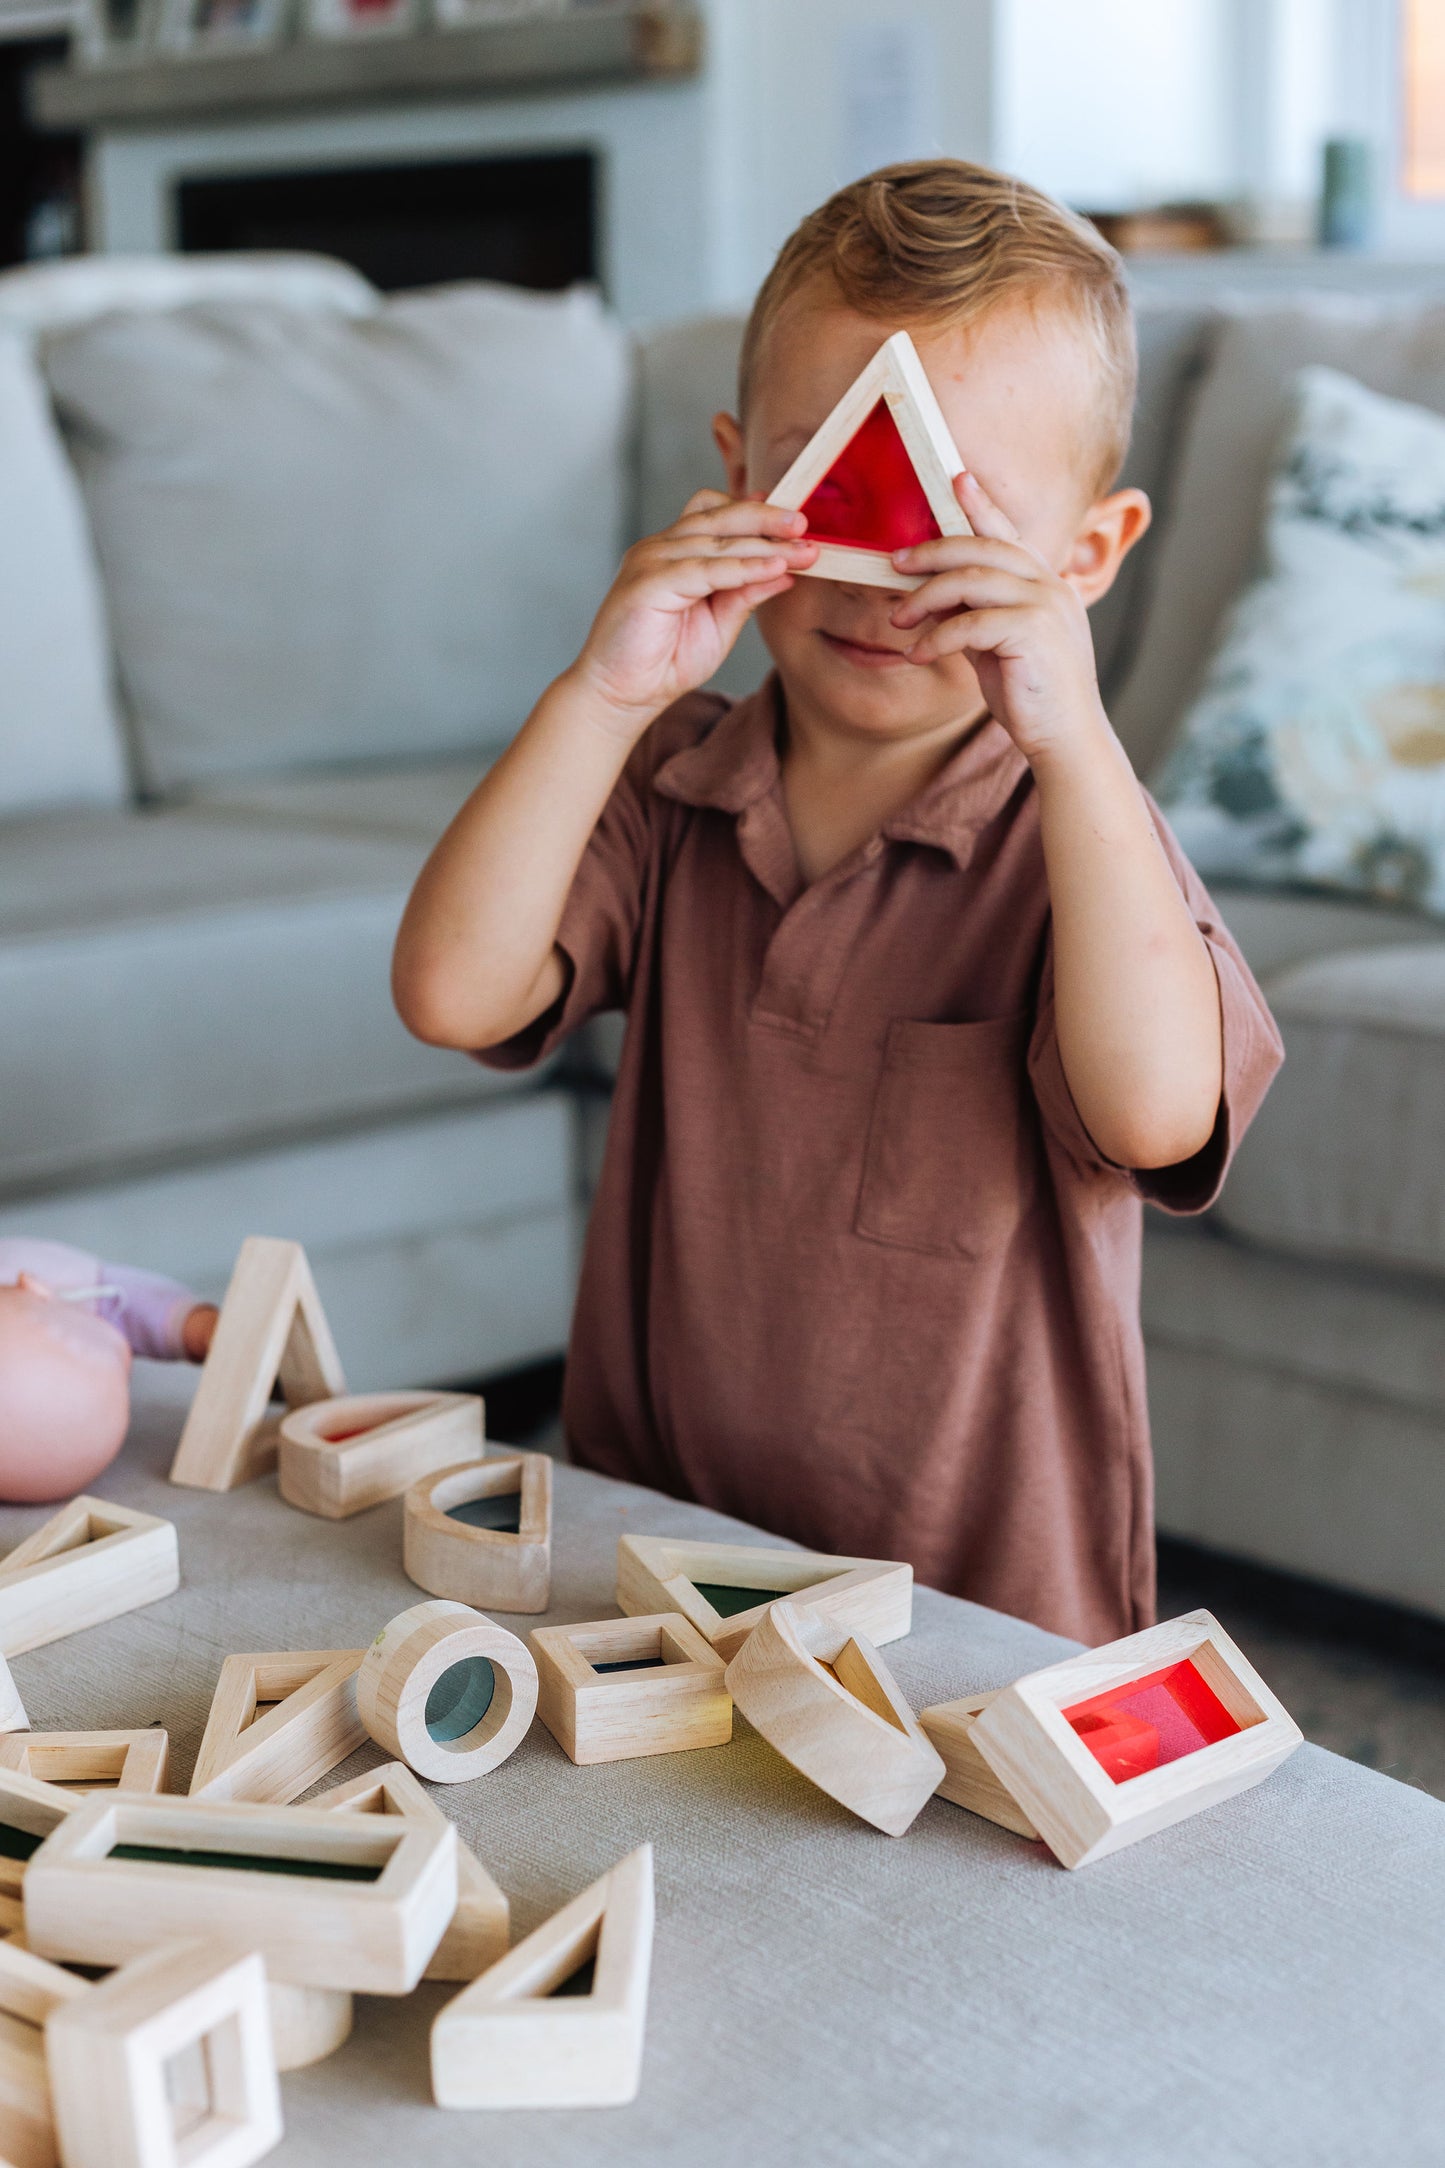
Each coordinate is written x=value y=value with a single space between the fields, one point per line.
x=949 y=1168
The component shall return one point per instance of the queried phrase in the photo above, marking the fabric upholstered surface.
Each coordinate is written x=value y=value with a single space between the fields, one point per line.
x=1258 y=1985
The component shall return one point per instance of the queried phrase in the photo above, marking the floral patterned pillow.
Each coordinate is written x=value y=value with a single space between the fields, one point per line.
x=1315 y=754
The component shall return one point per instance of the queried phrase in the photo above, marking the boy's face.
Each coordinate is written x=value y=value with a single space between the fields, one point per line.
x=1015 y=390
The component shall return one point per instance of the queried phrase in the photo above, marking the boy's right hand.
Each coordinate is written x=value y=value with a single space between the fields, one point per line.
x=680 y=601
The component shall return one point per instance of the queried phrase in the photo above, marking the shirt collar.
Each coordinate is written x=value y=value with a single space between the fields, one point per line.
x=737 y=763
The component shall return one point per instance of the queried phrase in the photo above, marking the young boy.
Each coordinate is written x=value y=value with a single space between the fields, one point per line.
x=921 y=998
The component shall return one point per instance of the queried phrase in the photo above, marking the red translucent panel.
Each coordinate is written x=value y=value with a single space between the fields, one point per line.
x=1147 y=1722
x=871 y=496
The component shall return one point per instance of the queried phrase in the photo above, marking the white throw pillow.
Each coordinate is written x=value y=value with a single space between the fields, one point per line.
x=60 y=740
x=1315 y=754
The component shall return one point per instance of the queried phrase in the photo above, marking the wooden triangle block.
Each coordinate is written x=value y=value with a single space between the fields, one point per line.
x=481 y=1926
x=873 y=1596
x=90 y=1562
x=969 y=1781
x=278 y=1724
x=535 y=2032
x=272 y=1331
x=878 y=475
x=124 y=1761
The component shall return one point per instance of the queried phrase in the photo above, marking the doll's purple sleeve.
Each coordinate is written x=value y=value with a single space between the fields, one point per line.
x=148 y=1308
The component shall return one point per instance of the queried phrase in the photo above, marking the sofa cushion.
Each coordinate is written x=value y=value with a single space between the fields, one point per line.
x=61 y=734
x=176 y=984
x=332 y=538
x=41 y=298
x=1346 y=1158
x=418 y=799
x=1275 y=928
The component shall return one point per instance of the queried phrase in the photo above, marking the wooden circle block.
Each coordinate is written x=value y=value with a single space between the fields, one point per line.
x=339 y=1456
x=449 y=1550
x=447 y=1691
x=824 y=1699
x=307 y=2023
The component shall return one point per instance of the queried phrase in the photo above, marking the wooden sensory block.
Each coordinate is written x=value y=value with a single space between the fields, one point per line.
x=330 y=1900
x=12 y=1708
x=339 y=1456
x=560 y=2022
x=30 y=1989
x=447 y=1691
x=480 y=1928
x=279 y=1723
x=90 y=1562
x=619 y=1688
x=127 y=1761
x=29 y=1811
x=167 y=2064
x=482 y=1533
x=878 y=474
x=1110 y=1746
x=307 y=2023
x=968 y=1781
x=272 y=1331
x=822 y=1696
x=724 y=1589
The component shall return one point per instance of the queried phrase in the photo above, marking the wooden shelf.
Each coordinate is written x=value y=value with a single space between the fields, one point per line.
x=637 y=44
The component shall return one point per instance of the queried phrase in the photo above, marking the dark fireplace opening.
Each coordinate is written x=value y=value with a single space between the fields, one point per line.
x=527 y=221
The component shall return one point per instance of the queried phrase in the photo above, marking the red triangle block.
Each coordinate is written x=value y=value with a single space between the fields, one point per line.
x=871 y=496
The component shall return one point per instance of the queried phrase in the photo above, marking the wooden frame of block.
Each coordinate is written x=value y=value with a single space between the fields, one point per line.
x=823 y=1698
x=30 y=1989
x=28 y=1810
x=307 y=2023
x=511 y=2041
x=337 y=1457
x=89 y=1562
x=271 y=1331
x=1079 y=1810
x=446 y=1691
x=360 y=1903
x=896 y=377
x=12 y=1708
x=312 y=1724
x=126 y=1761
x=872 y=1596
x=188 y=2011
x=493 y=1569
x=481 y=1927
x=968 y=1781
x=598 y=1709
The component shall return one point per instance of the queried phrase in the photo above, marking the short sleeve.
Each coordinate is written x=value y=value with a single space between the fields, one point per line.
x=1253 y=1052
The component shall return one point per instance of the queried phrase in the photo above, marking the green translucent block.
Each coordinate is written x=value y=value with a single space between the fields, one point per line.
x=18 y=1843
x=503 y=1514
x=319 y=1870
x=459 y=1700
x=636 y=1663
x=727 y=1602
x=581 y=1981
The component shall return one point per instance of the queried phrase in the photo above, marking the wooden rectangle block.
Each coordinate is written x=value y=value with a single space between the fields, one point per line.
x=1214 y=1729
x=968 y=1781
x=330 y=1900
x=619 y=1688
x=127 y=1761
x=30 y=1989
x=560 y=2022
x=279 y=1723
x=339 y=1456
x=711 y=1584
x=449 y=1549
x=29 y=1810
x=167 y=2064
x=480 y=1928
x=90 y=1562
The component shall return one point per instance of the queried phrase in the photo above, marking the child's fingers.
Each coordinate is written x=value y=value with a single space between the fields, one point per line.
x=951 y=552
x=693 y=579
x=732 y=610
x=972 y=587
x=977 y=632
x=731 y=515
x=984 y=516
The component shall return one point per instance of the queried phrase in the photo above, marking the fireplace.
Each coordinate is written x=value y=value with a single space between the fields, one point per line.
x=528 y=220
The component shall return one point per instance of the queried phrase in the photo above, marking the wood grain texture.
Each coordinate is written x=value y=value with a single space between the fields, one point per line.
x=823 y=1698
x=873 y=1596
x=127 y=1761
x=408 y=1659
x=83 y=1905
x=31 y=1809
x=90 y=1562
x=491 y=1569
x=337 y=1457
x=1080 y=1813
x=510 y=2041
x=598 y=1716
x=311 y=1725
x=307 y=2023
x=480 y=1928
x=272 y=1331
x=968 y=1780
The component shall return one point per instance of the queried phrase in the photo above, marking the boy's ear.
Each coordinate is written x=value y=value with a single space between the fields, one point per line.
x=727 y=435
x=1109 y=530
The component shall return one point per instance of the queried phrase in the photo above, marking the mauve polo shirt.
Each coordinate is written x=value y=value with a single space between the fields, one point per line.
x=856 y=1271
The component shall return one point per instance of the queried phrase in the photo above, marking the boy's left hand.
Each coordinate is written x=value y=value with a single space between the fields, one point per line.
x=991 y=597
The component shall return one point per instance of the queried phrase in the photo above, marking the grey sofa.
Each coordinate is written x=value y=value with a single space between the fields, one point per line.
x=194 y=970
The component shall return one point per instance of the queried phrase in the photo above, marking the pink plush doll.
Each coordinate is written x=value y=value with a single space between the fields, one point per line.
x=69 y=1328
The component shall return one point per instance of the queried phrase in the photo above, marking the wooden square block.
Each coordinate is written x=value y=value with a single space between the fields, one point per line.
x=482 y=1534
x=167 y=2064
x=89 y=1562
x=1069 y=1743
x=723 y=1589
x=339 y=1456
x=127 y=1761
x=968 y=1781
x=623 y=1687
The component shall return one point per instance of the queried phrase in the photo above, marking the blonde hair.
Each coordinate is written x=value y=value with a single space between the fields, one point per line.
x=941 y=243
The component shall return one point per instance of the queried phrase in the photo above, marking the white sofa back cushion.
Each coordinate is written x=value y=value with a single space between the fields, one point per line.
x=329 y=539
x=60 y=736
x=50 y=297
